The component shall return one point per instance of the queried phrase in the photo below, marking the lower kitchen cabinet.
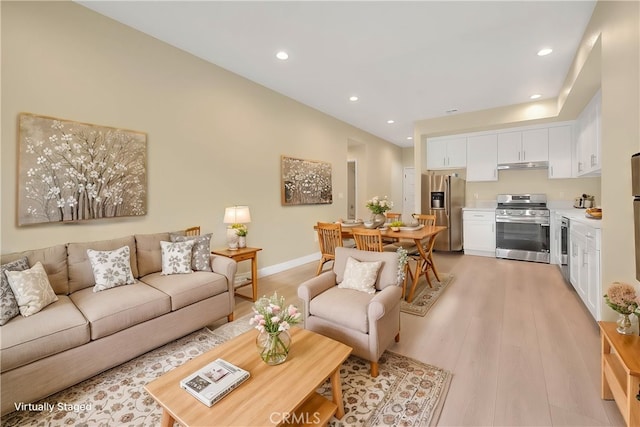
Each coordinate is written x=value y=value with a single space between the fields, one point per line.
x=584 y=266
x=479 y=232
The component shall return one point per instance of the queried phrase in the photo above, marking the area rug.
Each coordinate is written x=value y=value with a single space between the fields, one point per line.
x=424 y=296
x=406 y=392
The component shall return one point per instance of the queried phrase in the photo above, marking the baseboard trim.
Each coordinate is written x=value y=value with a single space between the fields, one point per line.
x=277 y=268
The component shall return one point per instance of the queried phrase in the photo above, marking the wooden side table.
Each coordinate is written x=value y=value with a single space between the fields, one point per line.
x=621 y=371
x=244 y=254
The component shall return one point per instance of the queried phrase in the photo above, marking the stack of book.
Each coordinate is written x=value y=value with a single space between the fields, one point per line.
x=214 y=381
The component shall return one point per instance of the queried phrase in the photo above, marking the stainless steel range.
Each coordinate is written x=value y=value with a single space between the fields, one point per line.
x=522 y=227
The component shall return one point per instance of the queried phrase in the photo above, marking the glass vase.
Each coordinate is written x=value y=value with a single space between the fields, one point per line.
x=273 y=347
x=624 y=325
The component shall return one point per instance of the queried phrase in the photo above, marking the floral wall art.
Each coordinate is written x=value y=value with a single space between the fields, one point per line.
x=305 y=182
x=70 y=171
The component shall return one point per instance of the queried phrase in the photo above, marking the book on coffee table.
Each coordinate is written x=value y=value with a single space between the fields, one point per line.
x=214 y=381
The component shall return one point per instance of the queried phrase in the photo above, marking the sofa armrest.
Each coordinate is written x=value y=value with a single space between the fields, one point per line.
x=383 y=302
x=227 y=267
x=313 y=287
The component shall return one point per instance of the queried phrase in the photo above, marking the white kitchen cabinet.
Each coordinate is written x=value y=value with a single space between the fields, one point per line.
x=588 y=138
x=523 y=146
x=584 y=266
x=482 y=158
x=479 y=232
x=448 y=153
x=560 y=152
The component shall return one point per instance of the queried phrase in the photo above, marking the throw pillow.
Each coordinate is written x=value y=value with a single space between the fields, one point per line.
x=360 y=275
x=176 y=257
x=8 y=304
x=111 y=268
x=32 y=289
x=201 y=252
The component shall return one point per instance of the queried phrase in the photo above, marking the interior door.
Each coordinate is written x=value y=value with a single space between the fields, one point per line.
x=351 y=189
x=408 y=194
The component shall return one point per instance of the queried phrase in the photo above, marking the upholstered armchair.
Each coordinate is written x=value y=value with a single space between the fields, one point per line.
x=337 y=303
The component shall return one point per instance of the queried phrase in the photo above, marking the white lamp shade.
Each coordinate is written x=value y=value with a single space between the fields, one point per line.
x=237 y=215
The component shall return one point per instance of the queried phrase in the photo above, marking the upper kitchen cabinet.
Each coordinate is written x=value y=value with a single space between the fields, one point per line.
x=446 y=153
x=588 y=138
x=482 y=156
x=523 y=146
x=560 y=152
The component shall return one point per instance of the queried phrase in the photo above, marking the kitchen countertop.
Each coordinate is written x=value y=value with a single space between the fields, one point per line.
x=578 y=215
x=480 y=209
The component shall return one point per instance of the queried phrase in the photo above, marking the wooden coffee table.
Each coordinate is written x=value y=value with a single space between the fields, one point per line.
x=273 y=395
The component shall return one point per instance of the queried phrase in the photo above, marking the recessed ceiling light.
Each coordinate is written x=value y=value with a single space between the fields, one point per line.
x=545 y=51
x=409 y=138
x=353 y=98
x=391 y=122
x=282 y=55
x=453 y=110
x=535 y=96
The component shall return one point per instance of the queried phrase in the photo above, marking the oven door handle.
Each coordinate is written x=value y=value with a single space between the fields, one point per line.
x=510 y=220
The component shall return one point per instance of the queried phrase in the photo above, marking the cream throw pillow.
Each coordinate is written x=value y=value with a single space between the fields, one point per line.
x=360 y=275
x=176 y=257
x=111 y=268
x=32 y=289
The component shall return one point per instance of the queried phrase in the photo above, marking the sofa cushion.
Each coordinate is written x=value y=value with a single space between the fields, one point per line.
x=119 y=308
x=201 y=252
x=80 y=271
x=32 y=289
x=111 y=268
x=346 y=307
x=149 y=252
x=54 y=261
x=176 y=257
x=8 y=305
x=56 y=328
x=186 y=289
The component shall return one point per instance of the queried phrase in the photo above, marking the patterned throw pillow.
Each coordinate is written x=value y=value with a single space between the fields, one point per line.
x=360 y=275
x=201 y=252
x=8 y=304
x=32 y=289
x=111 y=268
x=176 y=257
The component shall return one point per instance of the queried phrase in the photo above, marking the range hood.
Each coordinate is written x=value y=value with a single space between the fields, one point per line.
x=528 y=165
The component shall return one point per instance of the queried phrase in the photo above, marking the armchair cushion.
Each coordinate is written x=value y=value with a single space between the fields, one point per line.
x=345 y=307
x=360 y=275
x=388 y=275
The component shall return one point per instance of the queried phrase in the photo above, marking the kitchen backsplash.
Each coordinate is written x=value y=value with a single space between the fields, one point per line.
x=559 y=191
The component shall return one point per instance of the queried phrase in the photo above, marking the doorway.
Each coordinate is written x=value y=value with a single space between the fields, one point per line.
x=351 y=189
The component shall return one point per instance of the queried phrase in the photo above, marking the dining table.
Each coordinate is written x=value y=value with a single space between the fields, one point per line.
x=421 y=236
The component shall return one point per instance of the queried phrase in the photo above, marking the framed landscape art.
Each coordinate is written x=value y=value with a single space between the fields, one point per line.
x=70 y=171
x=305 y=182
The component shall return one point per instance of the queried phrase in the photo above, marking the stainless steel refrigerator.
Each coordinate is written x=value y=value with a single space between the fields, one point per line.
x=443 y=196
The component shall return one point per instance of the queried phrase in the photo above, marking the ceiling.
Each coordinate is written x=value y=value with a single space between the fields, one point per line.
x=406 y=61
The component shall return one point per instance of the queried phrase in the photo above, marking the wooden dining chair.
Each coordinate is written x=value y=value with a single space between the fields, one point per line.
x=368 y=239
x=329 y=238
x=423 y=265
x=393 y=216
x=192 y=231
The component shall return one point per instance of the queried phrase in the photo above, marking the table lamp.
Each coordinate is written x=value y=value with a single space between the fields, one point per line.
x=236 y=217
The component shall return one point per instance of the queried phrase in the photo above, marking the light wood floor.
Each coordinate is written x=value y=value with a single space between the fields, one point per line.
x=522 y=348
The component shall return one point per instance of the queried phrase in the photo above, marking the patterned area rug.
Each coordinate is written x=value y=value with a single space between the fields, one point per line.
x=425 y=296
x=406 y=392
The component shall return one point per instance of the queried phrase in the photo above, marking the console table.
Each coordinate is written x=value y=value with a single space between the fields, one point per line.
x=621 y=371
x=244 y=254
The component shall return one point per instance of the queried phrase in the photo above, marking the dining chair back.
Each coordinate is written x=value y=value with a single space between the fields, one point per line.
x=329 y=238
x=393 y=216
x=424 y=219
x=192 y=231
x=368 y=239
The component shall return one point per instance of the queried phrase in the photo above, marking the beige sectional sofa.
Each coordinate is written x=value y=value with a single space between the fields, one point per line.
x=84 y=332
